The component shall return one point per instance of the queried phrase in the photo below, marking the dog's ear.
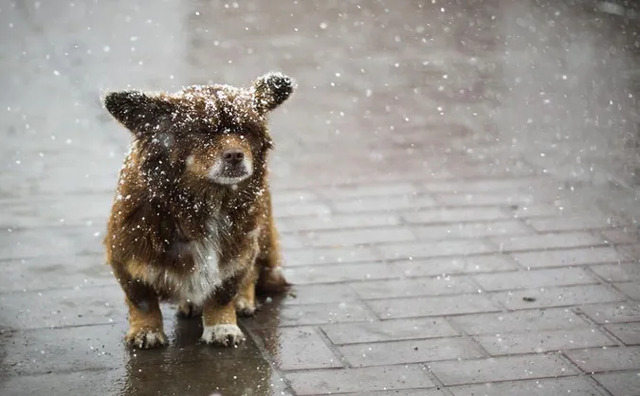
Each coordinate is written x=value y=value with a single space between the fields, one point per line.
x=270 y=90
x=141 y=113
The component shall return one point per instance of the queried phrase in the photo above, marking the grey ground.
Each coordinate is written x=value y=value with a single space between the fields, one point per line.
x=454 y=181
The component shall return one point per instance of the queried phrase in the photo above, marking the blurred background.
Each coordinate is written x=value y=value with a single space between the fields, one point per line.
x=550 y=85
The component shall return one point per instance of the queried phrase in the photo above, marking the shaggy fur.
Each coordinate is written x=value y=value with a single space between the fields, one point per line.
x=191 y=221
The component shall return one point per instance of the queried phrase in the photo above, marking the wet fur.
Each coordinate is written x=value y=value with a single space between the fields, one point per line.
x=178 y=230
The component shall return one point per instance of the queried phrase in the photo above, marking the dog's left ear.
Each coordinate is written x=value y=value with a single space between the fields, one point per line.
x=137 y=111
x=270 y=90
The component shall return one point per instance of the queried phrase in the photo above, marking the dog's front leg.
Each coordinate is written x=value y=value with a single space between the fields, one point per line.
x=145 y=317
x=219 y=316
x=145 y=323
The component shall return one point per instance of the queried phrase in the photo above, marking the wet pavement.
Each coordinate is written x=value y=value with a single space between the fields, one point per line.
x=455 y=183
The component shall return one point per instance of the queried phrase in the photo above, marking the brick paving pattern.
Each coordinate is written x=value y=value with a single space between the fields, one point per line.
x=439 y=243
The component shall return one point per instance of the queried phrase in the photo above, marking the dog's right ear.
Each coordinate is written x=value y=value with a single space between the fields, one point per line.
x=139 y=112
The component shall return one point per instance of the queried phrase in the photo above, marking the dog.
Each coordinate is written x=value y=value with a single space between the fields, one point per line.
x=191 y=221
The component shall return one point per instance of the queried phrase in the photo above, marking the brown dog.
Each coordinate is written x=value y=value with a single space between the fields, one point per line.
x=191 y=221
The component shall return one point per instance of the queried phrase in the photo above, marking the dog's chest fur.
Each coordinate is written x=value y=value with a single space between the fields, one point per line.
x=205 y=275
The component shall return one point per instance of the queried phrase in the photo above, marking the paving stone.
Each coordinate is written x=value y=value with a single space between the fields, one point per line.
x=505 y=167
x=337 y=222
x=282 y=311
x=537 y=209
x=388 y=330
x=557 y=296
x=595 y=360
x=369 y=190
x=629 y=252
x=100 y=382
x=333 y=273
x=629 y=333
x=568 y=257
x=97 y=347
x=433 y=249
x=455 y=265
x=432 y=306
x=252 y=376
x=485 y=185
x=63 y=349
x=67 y=241
x=65 y=307
x=403 y=392
x=612 y=313
x=384 y=204
x=367 y=236
x=471 y=230
x=543 y=341
x=538 y=387
x=620 y=383
x=359 y=379
x=414 y=287
x=297 y=348
x=486 y=198
x=500 y=369
x=536 y=278
x=331 y=255
x=557 y=223
x=412 y=351
x=313 y=314
x=548 y=241
x=629 y=289
x=534 y=320
x=622 y=235
x=284 y=197
x=327 y=178
x=456 y=215
x=292 y=241
x=619 y=272
x=42 y=273
x=296 y=209
x=56 y=211
x=321 y=293
x=92 y=181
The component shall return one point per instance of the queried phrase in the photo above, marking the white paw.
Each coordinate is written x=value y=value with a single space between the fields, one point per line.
x=222 y=334
x=146 y=338
x=244 y=307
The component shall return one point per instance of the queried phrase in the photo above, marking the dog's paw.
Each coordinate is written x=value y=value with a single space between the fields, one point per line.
x=244 y=307
x=146 y=338
x=189 y=310
x=222 y=334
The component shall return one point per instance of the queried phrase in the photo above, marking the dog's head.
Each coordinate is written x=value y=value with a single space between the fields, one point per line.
x=204 y=134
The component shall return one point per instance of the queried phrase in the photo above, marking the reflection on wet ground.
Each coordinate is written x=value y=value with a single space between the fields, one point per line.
x=106 y=366
x=454 y=181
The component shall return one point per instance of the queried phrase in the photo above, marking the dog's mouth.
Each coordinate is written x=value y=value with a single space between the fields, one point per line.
x=233 y=179
x=223 y=174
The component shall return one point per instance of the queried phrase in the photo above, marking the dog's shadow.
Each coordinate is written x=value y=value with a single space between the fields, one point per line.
x=186 y=366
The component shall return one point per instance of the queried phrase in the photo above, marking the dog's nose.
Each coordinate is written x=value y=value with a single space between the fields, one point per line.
x=233 y=156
